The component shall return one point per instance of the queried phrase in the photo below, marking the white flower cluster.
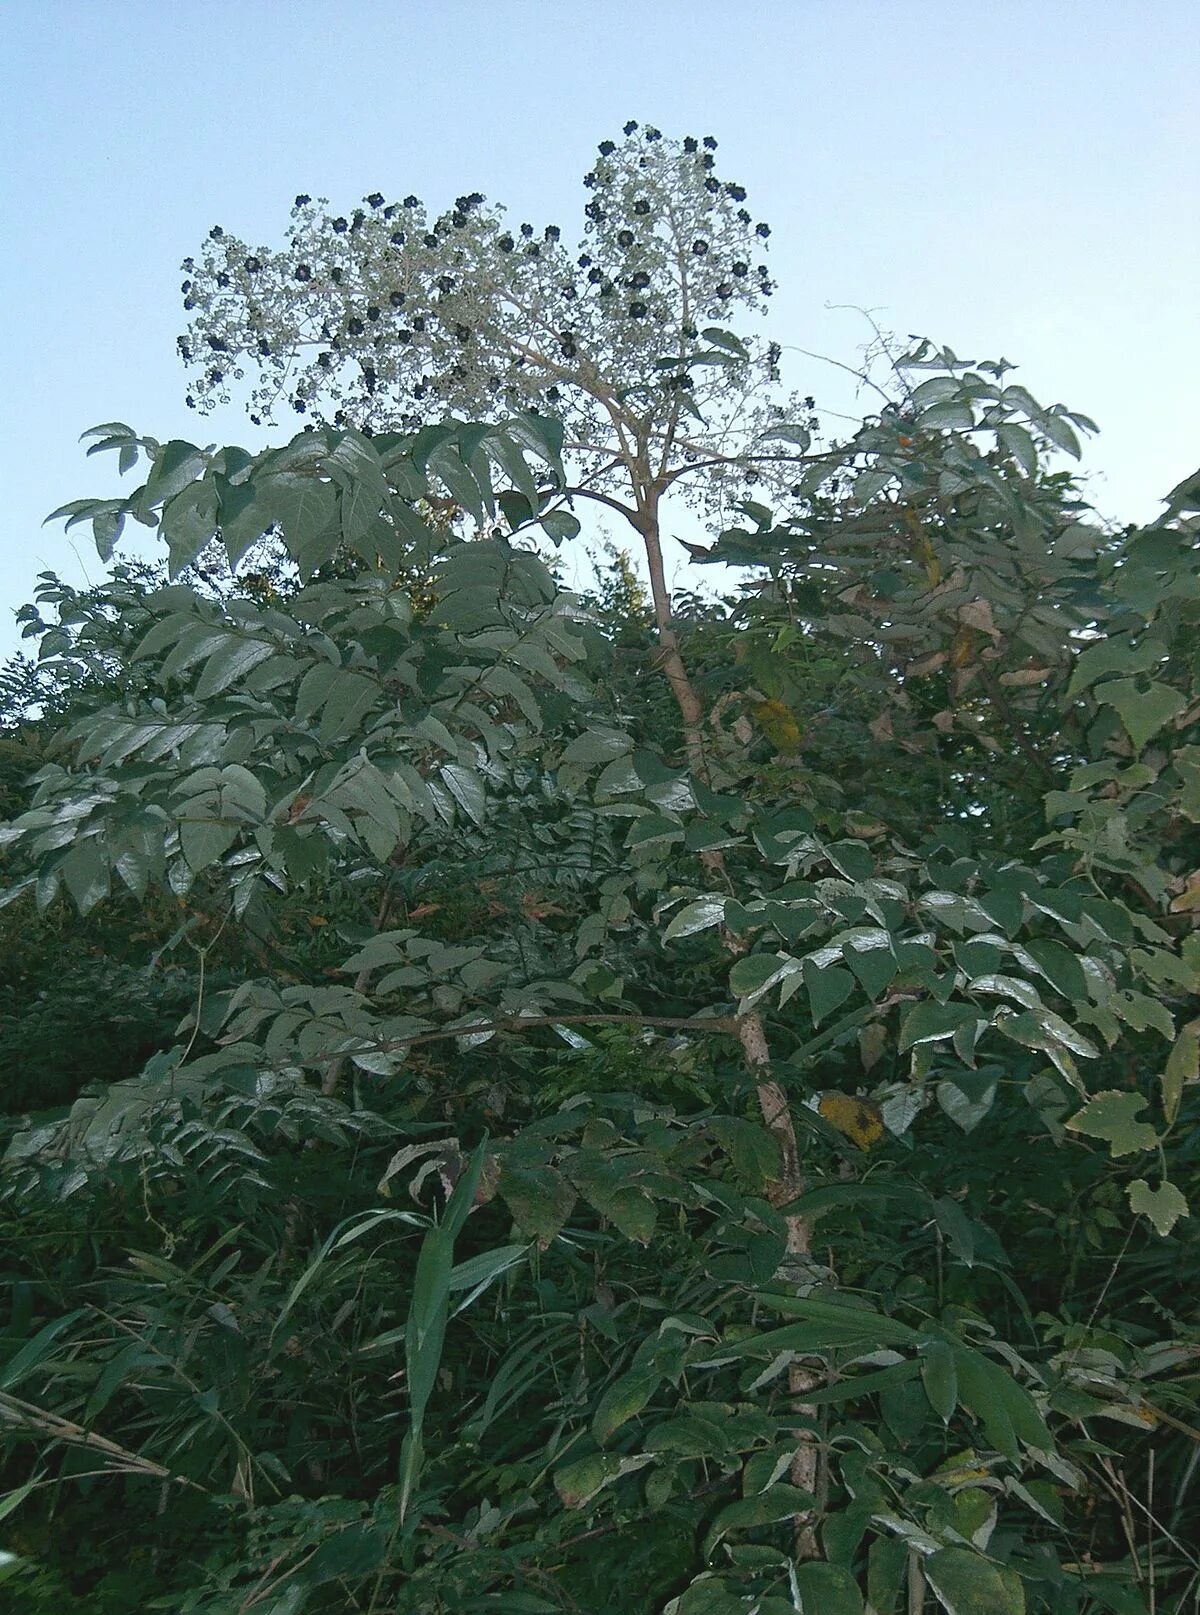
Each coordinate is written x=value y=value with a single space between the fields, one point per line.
x=385 y=320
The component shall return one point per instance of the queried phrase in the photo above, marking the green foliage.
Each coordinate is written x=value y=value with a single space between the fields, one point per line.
x=390 y=1220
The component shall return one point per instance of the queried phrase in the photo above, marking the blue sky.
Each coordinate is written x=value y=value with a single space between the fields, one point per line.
x=1007 y=178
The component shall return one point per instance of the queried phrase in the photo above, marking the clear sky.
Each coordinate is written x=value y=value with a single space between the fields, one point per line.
x=1006 y=177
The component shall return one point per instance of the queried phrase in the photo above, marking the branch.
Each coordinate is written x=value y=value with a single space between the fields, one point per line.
x=748 y=459
x=630 y=516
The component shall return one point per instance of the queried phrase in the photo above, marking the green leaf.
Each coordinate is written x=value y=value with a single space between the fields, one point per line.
x=869 y=954
x=466 y=787
x=940 y=1378
x=967 y=1096
x=827 y=988
x=956 y=1228
x=189 y=524
x=354 y=459
x=350 y=697
x=1182 y=1067
x=1111 y=1115
x=597 y=746
x=13 y=1500
x=1060 y=433
x=954 y=415
x=1007 y=1411
x=539 y=1198
x=1115 y=654
x=544 y=435
x=428 y=1314
x=968 y=1584
x=488 y=1265
x=86 y=873
x=778 y=1502
x=857 y=1322
x=858 y=1386
x=1164 y=1205
x=829 y=1197
x=887 y=1561
x=577 y=1483
x=203 y=840
x=561 y=525
x=935 y=391
x=798 y=436
x=752 y=1149
x=1142 y=711
x=241 y=517
x=355 y=1551
x=35 y=1351
x=106 y=530
x=629 y=1210
x=696 y=916
x=623 y=1400
x=692 y=1435
x=931 y=1022
x=230 y=662
x=826 y=1590
x=756 y=973
x=1060 y=967
x=1142 y=1011
x=513 y=463
x=726 y=340
x=1015 y=440
x=305 y=508
x=175 y=466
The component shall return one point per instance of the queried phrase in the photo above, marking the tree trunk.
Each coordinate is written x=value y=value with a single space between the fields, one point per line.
x=752 y=1035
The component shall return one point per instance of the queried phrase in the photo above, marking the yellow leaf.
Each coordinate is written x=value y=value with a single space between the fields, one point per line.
x=859 y=1119
x=778 y=723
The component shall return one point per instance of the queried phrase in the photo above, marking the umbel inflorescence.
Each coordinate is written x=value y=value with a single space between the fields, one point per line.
x=386 y=317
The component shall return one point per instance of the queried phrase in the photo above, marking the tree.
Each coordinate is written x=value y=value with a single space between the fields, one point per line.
x=403 y=317
x=408 y=317
x=496 y=1116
